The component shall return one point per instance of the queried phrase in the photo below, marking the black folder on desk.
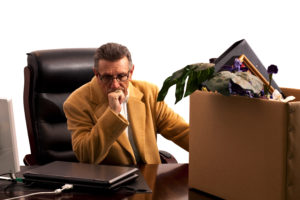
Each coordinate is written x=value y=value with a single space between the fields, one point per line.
x=82 y=175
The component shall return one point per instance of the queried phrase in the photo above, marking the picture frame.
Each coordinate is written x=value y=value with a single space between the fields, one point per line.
x=243 y=58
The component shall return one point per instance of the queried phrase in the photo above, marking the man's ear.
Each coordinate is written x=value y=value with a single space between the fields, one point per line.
x=95 y=72
x=131 y=72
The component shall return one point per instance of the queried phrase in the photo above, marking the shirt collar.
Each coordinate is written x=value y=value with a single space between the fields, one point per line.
x=127 y=97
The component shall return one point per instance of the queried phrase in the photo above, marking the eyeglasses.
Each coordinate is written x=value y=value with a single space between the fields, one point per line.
x=107 y=79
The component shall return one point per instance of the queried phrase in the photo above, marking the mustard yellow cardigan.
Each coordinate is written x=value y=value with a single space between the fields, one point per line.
x=98 y=134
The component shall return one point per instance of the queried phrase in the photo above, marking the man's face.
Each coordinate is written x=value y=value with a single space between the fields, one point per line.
x=115 y=70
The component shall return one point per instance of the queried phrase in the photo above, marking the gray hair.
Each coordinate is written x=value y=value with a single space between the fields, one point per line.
x=111 y=52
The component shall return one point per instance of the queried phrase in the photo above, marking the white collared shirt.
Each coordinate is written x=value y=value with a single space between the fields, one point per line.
x=129 y=130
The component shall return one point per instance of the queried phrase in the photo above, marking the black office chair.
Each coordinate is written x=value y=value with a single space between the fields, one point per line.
x=50 y=77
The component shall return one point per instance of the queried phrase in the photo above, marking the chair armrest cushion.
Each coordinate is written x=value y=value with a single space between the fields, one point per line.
x=166 y=157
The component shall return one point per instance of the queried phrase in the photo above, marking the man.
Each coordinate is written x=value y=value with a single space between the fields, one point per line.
x=114 y=119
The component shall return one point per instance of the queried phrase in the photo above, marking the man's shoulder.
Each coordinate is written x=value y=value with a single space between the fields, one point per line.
x=148 y=91
x=80 y=94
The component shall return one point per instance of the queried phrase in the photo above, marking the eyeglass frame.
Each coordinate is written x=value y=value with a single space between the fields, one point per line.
x=117 y=77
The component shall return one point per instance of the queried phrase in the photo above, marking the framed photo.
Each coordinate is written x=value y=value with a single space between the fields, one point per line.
x=255 y=71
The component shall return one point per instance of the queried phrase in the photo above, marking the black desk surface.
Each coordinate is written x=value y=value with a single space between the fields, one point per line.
x=167 y=181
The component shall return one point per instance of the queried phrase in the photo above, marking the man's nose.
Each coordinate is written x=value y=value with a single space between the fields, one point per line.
x=115 y=83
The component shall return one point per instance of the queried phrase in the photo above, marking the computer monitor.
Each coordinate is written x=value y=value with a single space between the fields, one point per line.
x=8 y=145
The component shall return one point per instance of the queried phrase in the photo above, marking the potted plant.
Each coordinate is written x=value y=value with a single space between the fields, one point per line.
x=229 y=80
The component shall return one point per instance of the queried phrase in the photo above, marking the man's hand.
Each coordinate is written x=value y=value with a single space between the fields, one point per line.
x=115 y=100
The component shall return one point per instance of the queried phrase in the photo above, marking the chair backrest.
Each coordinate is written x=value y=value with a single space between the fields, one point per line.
x=50 y=77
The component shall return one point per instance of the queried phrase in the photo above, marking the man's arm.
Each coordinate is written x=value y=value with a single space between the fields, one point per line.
x=92 y=135
x=172 y=126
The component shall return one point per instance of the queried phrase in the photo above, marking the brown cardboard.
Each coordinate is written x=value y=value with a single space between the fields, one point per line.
x=242 y=148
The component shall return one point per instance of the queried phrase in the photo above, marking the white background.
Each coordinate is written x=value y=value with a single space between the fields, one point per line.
x=163 y=36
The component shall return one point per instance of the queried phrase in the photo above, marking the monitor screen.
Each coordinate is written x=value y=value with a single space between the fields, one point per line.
x=8 y=145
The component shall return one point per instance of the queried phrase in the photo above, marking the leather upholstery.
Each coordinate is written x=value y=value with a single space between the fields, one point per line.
x=50 y=77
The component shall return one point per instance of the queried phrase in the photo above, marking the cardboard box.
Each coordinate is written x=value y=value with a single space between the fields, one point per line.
x=242 y=148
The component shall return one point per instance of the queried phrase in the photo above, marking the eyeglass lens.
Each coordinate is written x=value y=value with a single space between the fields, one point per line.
x=110 y=78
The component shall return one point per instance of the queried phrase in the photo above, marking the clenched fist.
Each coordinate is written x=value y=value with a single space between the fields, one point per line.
x=115 y=100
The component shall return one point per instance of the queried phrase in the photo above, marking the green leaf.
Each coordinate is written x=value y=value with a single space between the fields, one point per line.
x=192 y=84
x=197 y=78
x=205 y=74
x=197 y=73
x=180 y=85
x=170 y=81
x=164 y=90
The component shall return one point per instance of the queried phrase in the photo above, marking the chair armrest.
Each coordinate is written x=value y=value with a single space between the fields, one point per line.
x=29 y=159
x=166 y=157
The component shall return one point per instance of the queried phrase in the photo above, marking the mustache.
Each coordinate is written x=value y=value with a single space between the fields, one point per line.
x=116 y=89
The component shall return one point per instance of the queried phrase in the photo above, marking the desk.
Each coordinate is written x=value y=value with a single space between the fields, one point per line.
x=167 y=181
